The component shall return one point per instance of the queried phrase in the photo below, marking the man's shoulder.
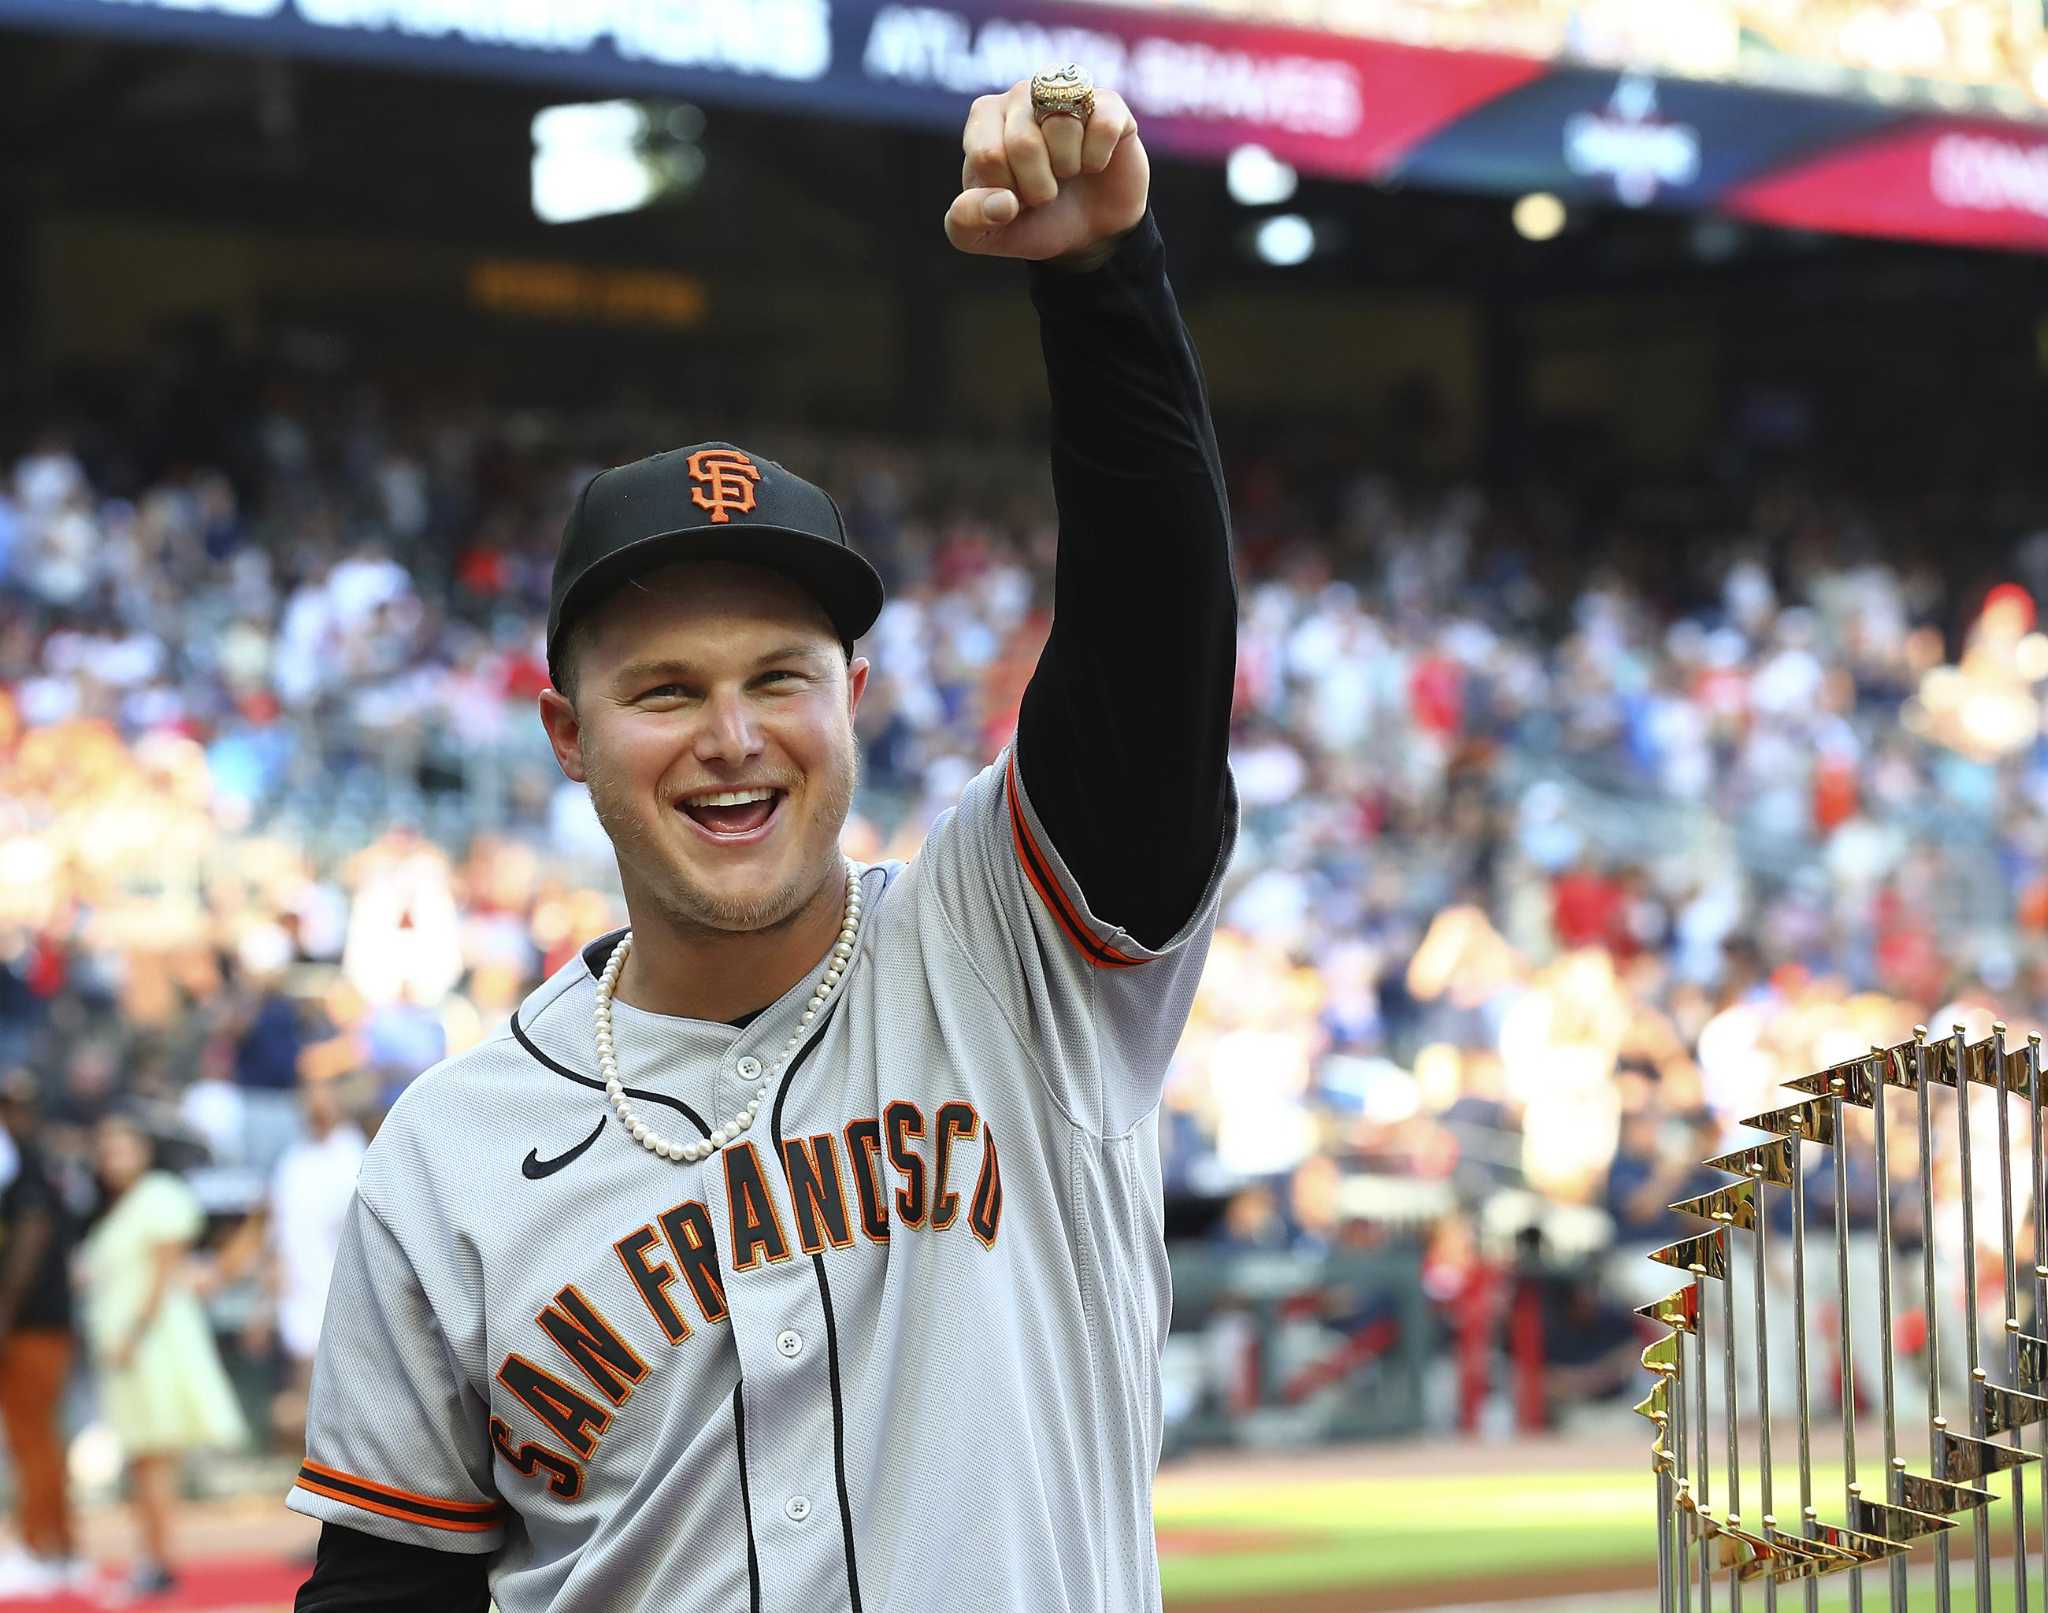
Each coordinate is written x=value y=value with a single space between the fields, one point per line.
x=417 y=1174
x=470 y=1098
x=978 y=809
x=462 y=1081
x=514 y=1050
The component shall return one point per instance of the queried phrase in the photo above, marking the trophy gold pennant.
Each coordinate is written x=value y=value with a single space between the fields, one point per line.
x=1772 y=1162
x=1679 y=1311
x=1958 y=1458
x=1919 y=1493
x=1735 y=1204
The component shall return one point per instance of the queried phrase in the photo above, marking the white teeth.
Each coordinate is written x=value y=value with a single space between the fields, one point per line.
x=732 y=798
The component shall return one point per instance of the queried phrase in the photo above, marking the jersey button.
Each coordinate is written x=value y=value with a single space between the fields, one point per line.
x=749 y=1067
x=790 y=1344
x=797 y=1508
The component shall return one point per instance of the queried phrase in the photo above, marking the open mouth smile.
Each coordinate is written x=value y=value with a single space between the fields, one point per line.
x=738 y=817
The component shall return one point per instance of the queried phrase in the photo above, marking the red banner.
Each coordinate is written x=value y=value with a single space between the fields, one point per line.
x=1952 y=180
x=1347 y=108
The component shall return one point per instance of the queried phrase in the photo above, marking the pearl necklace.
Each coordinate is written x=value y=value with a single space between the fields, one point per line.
x=607 y=1058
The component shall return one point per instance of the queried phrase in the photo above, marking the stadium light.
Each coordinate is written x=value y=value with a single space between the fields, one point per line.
x=588 y=162
x=1539 y=216
x=1285 y=240
x=1257 y=178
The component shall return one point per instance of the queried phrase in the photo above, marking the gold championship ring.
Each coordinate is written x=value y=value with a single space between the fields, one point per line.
x=1064 y=92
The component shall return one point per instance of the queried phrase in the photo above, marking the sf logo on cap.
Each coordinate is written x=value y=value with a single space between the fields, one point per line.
x=726 y=480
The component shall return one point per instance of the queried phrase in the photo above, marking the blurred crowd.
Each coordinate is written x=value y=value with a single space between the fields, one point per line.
x=1553 y=865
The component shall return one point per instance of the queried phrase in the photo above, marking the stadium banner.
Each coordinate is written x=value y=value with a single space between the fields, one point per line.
x=1969 y=182
x=1630 y=138
x=1330 y=105
x=1337 y=106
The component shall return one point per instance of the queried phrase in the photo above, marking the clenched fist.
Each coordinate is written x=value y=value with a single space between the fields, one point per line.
x=1051 y=190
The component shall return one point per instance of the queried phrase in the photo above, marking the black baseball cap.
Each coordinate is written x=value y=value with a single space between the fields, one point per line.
x=713 y=501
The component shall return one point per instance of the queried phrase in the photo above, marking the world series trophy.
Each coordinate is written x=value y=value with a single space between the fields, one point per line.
x=1877 y=1520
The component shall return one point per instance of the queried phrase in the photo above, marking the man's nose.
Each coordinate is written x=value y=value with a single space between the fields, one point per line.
x=729 y=732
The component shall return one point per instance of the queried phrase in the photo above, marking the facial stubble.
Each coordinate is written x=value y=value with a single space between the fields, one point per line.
x=684 y=906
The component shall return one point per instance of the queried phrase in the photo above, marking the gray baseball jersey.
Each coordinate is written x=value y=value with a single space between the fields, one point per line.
x=896 y=1349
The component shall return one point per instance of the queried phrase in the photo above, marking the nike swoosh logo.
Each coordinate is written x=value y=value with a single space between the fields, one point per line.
x=533 y=1167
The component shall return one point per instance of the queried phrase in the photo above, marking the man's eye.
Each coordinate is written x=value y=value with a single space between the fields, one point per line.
x=662 y=691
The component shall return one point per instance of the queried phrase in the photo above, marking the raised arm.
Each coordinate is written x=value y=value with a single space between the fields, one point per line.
x=1124 y=734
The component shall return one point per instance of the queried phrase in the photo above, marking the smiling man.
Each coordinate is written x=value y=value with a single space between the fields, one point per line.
x=800 y=1246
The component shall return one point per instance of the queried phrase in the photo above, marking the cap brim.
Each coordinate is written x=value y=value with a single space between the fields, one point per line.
x=846 y=587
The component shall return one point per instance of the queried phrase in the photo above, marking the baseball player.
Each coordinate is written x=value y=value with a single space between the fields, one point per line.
x=800 y=1247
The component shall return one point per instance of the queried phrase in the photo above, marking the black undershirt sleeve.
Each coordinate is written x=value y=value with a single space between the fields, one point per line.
x=357 y=1572
x=1124 y=734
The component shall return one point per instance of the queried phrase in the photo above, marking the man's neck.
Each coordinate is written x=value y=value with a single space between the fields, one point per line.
x=721 y=975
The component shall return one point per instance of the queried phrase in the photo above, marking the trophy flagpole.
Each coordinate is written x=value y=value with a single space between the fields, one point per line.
x=1724 y=1220
x=2040 y=1207
x=1980 y=1522
x=1699 y=1390
x=1682 y=1514
x=1935 y=1425
x=1667 y=1519
x=1763 y=1381
x=1892 y=1465
x=1835 y=1089
x=2012 y=1313
x=1663 y=1358
x=1807 y=1515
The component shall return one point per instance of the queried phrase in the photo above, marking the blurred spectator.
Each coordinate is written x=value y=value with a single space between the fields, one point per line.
x=1592 y=1347
x=1657 y=1161
x=160 y=1376
x=269 y=1035
x=1253 y=1222
x=1589 y=908
x=35 y=1346
x=294 y=1235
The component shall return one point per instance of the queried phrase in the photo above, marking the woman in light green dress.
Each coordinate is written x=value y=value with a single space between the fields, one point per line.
x=160 y=1377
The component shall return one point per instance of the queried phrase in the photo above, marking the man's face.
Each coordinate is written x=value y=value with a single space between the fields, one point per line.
x=713 y=722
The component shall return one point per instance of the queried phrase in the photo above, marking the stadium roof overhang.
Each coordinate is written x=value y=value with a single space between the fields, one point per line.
x=1341 y=107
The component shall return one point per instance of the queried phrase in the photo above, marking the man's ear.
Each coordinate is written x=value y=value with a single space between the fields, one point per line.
x=565 y=733
x=856 y=685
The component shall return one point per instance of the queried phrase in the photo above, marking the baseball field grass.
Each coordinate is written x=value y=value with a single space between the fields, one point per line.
x=1270 y=1536
x=1527 y=1530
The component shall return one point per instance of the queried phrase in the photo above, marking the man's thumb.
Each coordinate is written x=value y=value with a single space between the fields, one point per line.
x=977 y=211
